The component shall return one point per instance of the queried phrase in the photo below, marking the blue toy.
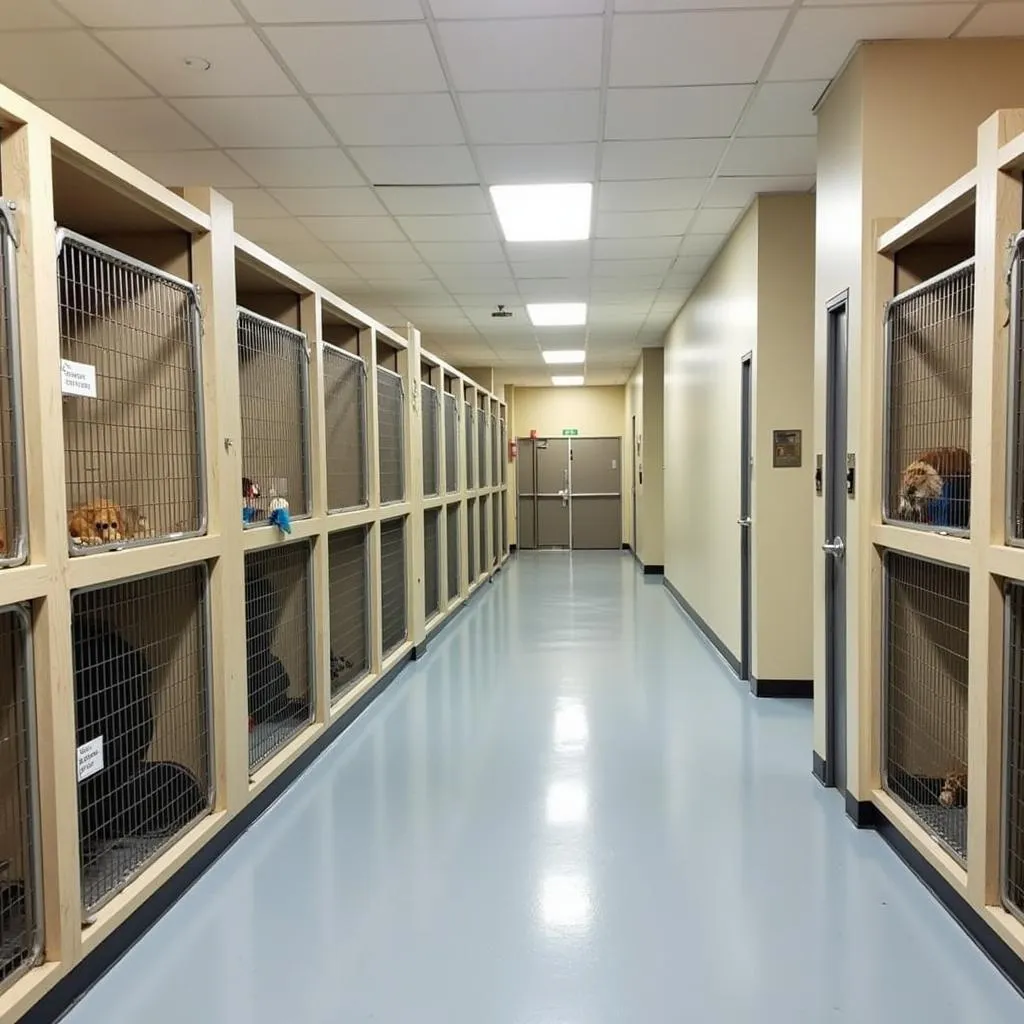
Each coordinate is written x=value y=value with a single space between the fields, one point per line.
x=952 y=508
x=279 y=515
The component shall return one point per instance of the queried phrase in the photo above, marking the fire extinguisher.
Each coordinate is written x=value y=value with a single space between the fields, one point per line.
x=513 y=450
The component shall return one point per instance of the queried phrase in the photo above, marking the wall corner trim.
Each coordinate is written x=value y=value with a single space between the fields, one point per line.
x=709 y=634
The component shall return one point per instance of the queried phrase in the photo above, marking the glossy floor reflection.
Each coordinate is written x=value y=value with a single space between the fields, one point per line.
x=567 y=813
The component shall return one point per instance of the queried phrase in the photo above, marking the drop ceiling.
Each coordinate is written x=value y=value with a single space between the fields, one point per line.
x=357 y=138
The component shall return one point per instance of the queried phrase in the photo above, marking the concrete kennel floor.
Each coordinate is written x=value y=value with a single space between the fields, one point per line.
x=567 y=813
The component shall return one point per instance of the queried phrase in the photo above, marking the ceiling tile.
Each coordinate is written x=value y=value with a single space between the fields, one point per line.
x=689 y=265
x=64 y=65
x=996 y=19
x=567 y=115
x=240 y=64
x=715 y=222
x=268 y=12
x=631 y=268
x=461 y=252
x=329 y=202
x=250 y=122
x=300 y=251
x=269 y=229
x=542 y=53
x=784 y=108
x=353 y=229
x=129 y=124
x=17 y=14
x=333 y=59
x=554 y=290
x=472 y=271
x=473 y=228
x=375 y=252
x=437 y=200
x=463 y=287
x=783 y=156
x=635 y=248
x=643 y=225
x=190 y=167
x=702 y=48
x=654 y=194
x=446 y=316
x=513 y=8
x=738 y=191
x=701 y=245
x=682 y=112
x=672 y=158
x=393 y=120
x=532 y=270
x=526 y=165
x=335 y=271
x=298 y=168
x=820 y=39
x=253 y=202
x=132 y=14
x=689 y=5
x=417 y=165
x=525 y=252
x=377 y=271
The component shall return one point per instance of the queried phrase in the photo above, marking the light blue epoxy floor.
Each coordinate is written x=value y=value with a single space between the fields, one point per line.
x=596 y=825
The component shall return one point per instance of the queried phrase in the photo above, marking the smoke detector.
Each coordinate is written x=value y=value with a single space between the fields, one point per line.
x=502 y=313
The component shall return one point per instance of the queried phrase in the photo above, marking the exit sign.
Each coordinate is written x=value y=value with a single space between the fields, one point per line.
x=570 y=432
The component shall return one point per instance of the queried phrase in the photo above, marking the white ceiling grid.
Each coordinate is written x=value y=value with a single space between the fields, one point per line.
x=357 y=138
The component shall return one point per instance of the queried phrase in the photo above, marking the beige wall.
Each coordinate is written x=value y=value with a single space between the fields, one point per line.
x=645 y=401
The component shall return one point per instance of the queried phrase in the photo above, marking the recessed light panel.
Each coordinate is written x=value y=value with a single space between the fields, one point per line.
x=544 y=213
x=565 y=356
x=567 y=382
x=557 y=314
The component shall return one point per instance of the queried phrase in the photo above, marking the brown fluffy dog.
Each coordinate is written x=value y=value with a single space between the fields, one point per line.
x=98 y=522
x=922 y=479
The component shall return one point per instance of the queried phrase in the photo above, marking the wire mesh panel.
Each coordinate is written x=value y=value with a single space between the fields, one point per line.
x=348 y=581
x=431 y=562
x=431 y=448
x=1013 y=753
x=481 y=447
x=496 y=544
x=392 y=584
x=483 y=514
x=1015 y=442
x=13 y=533
x=929 y=333
x=504 y=522
x=503 y=449
x=495 y=458
x=273 y=379
x=20 y=920
x=925 y=694
x=142 y=722
x=454 y=548
x=278 y=647
x=470 y=461
x=131 y=380
x=451 y=443
x=345 y=415
x=471 y=537
x=391 y=440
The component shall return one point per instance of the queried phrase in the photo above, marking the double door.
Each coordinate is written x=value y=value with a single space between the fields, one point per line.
x=570 y=493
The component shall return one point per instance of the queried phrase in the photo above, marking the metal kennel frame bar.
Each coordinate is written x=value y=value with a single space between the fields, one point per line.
x=333 y=540
x=1012 y=823
x=452 y=539
x=261 y=332
x=1015 y=400
x=351 y=367
x=481 y=448
x=13 y=516
x=86 y=268
x=451 y=444
x=391 y=399
x=394 y=616
x=941 y=292
x=431 y=449
x=29 y=951
x=431 y=563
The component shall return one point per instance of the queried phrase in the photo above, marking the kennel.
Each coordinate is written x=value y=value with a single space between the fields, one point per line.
x=278 y=646
x=925 y=680
x=345 y=428
x=391 y=435
x=483 y=513
x=451 y=443
x=142 y=683
x=431 y=447
x=20 y=890
x=503 y=453
x=131 y=386
x=504 y=524
x=1015 y=443
x=1013 y=752
x=929 y=343
x=348 y=596
x=470 y=419
x=431 y=562
x=13 y=519
x=273 y=380
x=481 y=447
x=471 y=537
x=453 y=542
x=496 y=544
x=495 y=441
x=394 y=629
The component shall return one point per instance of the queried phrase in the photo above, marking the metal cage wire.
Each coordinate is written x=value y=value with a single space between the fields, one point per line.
x=503 y=457
x=273 y=379
x=471 y=537
x=131 y=380
x=454 y=547
x=13 y=518
x=348 y=595
x=929 y=344
x=143 y=712
x=504 y=523
x=483 y=509
x=391 y=435
x=497 y=547
x=495 y=442
x=451 y=443
x=925 y=679
x=280 y=694
x=431 y=446
x=21 y=923
x=392 y=585
x=481 y=447
x=1015 y=442
x=1013 y=752
x=345 y=434
x=431 y=562
x=470 y=461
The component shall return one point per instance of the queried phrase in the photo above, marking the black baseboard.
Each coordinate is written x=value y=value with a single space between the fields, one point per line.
x=819 y=768
x=654 y=570
x=863 y=813
x=709 y=634
x=74 y=985
x=513 y=548
x=418 y=651
x=801 y=688
x=626 y=547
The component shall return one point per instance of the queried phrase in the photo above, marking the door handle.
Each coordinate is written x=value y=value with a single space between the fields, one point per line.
x=744 y=522
x=835 y=548
x=564 y=495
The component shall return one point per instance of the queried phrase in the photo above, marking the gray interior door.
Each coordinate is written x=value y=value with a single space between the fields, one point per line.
x=634 y=455
x=526 y=477
x=834 y=547
x=744 y=521
x=552 y=488
x=596 y=492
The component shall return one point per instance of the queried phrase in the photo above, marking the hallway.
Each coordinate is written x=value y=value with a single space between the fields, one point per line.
x=606 y=830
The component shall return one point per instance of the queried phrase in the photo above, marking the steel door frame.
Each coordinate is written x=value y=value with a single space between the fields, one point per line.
x=744 y=520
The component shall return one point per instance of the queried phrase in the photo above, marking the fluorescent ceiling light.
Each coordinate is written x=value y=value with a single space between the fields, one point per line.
x=567 y=382
x=565 y=356
x=557 y=314
x=544 y=213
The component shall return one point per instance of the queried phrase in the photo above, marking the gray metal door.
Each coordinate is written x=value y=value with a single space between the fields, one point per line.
x=834 y=546
x=526 y=477
x=633 y=485
x=744 y=521
x=595 y=488
x=551 y=466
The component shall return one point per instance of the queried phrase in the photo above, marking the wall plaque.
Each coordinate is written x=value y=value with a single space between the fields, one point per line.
x=786 y=449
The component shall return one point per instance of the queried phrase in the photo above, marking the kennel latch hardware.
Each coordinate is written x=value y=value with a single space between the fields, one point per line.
x=818 y=478
x=836 y=548
x=851 y=474
x=8 y=209
x=744 y=522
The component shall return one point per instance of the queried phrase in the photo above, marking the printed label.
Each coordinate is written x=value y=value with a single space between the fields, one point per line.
x=77 y=379
x=90 y=758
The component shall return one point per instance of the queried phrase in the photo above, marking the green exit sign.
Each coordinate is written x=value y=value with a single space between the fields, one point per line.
x=570 y=432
